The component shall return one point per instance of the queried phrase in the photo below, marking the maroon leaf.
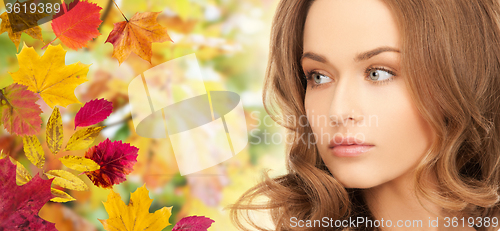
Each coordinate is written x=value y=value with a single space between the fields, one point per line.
x=193 y=223
x=116 y=160
x=93 y=112
x=19 y=205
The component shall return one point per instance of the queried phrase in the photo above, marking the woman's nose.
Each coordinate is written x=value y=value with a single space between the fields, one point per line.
x=345 y=106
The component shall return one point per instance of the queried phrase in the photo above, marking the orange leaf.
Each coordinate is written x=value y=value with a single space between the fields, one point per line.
x=78 y=25
x=22 y=22
x=137 y=35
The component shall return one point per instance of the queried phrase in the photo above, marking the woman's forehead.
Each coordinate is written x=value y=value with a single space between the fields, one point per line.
x=346 y=28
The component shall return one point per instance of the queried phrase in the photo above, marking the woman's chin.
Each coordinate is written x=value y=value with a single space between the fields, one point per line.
x=361 y=182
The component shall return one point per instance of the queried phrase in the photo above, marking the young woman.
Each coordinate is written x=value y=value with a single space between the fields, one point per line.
x=402 y=98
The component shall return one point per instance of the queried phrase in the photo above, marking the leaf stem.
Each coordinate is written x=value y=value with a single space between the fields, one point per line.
x=46 y=45
x=120 y=11
x=124 y=120
x=65 y=11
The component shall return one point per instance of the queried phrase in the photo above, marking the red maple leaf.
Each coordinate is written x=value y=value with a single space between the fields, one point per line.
x=116 y=160
x=193 y=223
x=93 y=112
x=78 y=24
x=19 y=205
x=19 y=112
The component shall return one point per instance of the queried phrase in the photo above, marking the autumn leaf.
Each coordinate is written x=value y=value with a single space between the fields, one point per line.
x=135 y=215
x=22 y=22
x=61 y=196
x=34 y=151
x=54 y=133
x=22 y=174
x=18 y=110
x=93 y=112
x=193 y=223
x=23 y=177
x=116 y=160
x=80 y=164
x=67 y=180
x=15 y=37
x=83 y=138
x=137 y=35
x=78 y=25
x=49 y=76
x=20 y=204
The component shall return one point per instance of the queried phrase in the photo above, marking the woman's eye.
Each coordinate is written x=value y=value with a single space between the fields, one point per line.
x=319 y=78
x=379 y=75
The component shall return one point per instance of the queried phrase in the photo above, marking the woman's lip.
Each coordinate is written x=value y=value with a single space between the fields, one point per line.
x=349 y=140
x=350 y=150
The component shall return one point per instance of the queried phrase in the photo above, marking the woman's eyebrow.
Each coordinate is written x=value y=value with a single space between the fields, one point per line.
x=359 y=57
x=314 y=56
x=374 y=52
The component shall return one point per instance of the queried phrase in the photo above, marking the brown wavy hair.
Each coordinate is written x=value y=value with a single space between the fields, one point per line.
x=451 y=57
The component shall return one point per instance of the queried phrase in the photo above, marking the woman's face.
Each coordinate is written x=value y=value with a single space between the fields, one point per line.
x=368 y=130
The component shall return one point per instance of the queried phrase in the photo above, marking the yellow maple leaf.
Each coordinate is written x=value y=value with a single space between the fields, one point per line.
x=135 y=216
x=49 y=76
